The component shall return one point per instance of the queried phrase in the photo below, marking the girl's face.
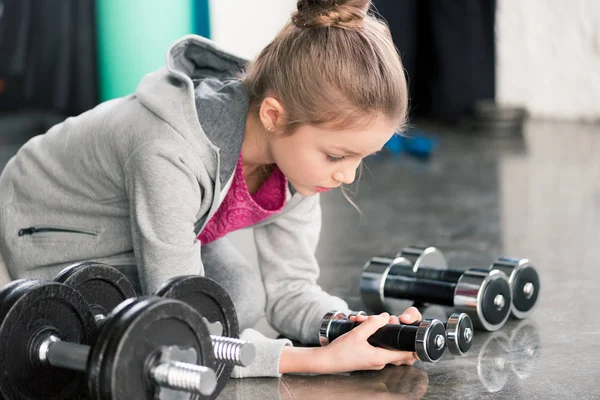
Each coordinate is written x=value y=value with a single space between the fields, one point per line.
x=315 y=159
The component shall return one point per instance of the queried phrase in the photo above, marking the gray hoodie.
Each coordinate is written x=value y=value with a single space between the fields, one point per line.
x=144 y=174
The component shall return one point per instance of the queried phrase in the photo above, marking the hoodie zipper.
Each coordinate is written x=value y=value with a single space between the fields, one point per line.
x=32 y=230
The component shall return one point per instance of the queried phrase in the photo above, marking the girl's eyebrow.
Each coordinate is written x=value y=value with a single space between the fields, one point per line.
x=353 y=153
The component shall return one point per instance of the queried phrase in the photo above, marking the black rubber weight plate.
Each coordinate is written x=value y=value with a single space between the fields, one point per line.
x=432 y=350
x=465 y=323
x=103 y=286
x=106 y=331
x=520 y=300
x=29 y=309
x=148 y=324
x=494 y=288
x=207 y=297
x=5 y=293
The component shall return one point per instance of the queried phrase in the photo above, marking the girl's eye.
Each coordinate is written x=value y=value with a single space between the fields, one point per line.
x=335 y=159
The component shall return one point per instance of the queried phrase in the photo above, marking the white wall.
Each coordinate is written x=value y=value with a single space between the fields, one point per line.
x=244 y=27
x=549 y=57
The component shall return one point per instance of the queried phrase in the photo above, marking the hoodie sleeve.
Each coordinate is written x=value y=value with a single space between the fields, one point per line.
x=164 y=200
x=286 y=255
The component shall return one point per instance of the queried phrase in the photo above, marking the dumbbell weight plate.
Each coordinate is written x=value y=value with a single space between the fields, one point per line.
x=212 y=302
x=525 y=284
x=30 y=308
x=103 y=286
x=372 y=281
x=485 y=296
x=429 y=257
x=207 y=297
x=119 y=363
x=459 y=333
x=5 y=292
x=100 y=344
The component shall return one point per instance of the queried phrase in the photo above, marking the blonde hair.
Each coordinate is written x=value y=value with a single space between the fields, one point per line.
x=333 y=64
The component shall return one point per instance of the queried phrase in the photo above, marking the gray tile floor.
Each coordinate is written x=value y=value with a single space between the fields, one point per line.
x=478 y=198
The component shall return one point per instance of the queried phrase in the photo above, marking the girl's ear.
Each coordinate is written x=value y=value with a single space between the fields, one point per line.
x=272 y=114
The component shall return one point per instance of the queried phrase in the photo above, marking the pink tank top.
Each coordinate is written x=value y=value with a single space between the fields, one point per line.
x=240 y=209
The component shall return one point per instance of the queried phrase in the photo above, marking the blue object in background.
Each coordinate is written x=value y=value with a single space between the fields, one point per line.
x=415 y=142
x=395 y=144
x=201 y=22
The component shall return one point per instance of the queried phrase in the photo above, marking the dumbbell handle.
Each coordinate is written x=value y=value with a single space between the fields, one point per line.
x=423 y=271
x=429 y=291
x=419 y=290
x=173 y=374
x=233 y=351
x=427 y=339
x=441 y=275
x=391 y=337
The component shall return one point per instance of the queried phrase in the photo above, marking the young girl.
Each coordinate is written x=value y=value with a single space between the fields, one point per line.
x=158 y=178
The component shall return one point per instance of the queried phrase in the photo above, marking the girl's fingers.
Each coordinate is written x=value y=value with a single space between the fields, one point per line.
x=410 y=315
x=400 y=358
x=358 y=318
x=407 y=361
x=370 y=326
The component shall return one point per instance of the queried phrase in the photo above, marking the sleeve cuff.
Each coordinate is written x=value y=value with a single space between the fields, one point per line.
x=268 y=355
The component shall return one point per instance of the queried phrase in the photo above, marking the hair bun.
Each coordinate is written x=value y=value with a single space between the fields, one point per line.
x=326 y=13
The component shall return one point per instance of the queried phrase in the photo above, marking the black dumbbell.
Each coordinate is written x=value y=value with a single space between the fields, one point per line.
x=427 y=340
x=105 y=286
x=430 y=263
x=213 y=302
x=146 y=349
x=459 y=332
x=482 y=294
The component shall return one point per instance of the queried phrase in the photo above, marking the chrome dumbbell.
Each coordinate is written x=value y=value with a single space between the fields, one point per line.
x=430 y=263
x=485 y=295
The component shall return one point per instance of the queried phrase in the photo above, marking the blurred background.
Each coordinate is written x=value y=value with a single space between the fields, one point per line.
x=468 y=61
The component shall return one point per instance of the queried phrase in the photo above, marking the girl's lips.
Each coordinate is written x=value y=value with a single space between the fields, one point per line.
x=321 y=189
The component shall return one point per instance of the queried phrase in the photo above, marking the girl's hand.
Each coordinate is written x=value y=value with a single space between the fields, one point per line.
x=409 y=316
x=352 y=352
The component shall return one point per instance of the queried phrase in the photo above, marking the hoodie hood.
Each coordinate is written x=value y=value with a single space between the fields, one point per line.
x=199 y=93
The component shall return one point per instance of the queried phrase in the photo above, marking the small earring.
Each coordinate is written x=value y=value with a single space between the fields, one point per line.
x=269 y=128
